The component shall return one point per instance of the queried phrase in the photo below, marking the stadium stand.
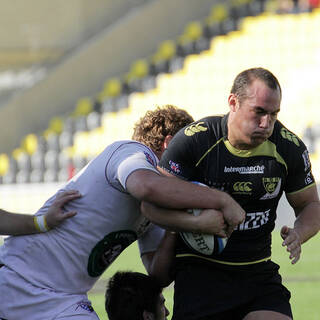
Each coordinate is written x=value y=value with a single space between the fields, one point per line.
x=194 y=72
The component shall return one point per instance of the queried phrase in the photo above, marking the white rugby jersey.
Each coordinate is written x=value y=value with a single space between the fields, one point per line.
x=71 y=258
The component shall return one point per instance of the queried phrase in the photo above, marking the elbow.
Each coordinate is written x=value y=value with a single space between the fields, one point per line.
x=146 y=192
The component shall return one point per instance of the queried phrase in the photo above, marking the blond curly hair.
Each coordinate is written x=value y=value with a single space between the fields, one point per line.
x=152 y=129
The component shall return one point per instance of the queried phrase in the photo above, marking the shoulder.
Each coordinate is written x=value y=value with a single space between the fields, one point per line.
x=290 y=147
x=213 y=126
x=285 y=138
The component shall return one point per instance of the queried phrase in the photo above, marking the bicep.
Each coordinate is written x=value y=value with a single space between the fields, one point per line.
x=139 y=183
x=299 y=200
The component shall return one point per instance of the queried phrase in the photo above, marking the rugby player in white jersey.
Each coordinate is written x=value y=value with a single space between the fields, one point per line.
x=48 y=275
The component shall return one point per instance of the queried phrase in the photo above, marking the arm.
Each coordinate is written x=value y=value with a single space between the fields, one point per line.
x=306 y=206
x=18 y=224
x=159 y=263
x=171 y=192
x=209 y=221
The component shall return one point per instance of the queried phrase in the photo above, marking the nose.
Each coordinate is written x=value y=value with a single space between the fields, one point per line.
x=265 y=121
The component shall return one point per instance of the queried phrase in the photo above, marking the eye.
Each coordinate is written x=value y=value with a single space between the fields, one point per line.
x=260 y=112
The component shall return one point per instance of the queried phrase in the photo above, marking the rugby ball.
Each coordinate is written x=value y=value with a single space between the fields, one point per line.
x=205 y=244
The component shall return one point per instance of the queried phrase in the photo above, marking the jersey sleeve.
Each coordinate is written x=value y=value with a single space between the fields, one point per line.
x=181 y=156
x=299 y=165
x=151 y=239
x=128 y=158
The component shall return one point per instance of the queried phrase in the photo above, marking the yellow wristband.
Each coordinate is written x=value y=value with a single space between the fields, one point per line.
x=41 y=223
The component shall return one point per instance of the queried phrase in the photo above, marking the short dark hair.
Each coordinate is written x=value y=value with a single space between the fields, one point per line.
x=244 y=79
x=130 y=293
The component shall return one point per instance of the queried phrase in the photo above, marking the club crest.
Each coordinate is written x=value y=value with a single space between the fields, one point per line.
x=272 y=186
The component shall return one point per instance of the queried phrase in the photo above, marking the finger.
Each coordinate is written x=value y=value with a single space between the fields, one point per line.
x=222 y=234
x=68 y=215
x=294 y=245
x=66 y=193
x=296 y=258
x=63 y=199
x=294 y=254
x=289 y=239
x=229 y=230
x=284 y=232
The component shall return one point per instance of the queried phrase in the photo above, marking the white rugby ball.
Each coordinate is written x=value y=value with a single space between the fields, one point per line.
x=205 y=244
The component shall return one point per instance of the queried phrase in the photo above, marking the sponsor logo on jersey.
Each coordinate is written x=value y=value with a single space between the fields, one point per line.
x=272 y=185
x=245 y=170
x=254 y=220
x=286 y=134
x=149 y=158
x=306 y=160
x=308 y=180
x=175 y=167
x=242 y=187
x=86 y=305
x=194 y=128
x=107 y=250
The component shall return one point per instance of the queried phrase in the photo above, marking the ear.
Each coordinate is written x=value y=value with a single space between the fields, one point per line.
x=232 y=101
x=166 y=141
x=148 y=315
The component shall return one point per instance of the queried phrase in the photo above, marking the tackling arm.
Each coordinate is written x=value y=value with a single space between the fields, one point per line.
x=18 y=224
x=171 y=192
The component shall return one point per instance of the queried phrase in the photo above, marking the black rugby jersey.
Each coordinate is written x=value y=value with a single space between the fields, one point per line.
x=255 y=178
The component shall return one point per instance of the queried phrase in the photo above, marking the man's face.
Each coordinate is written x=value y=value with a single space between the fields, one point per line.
x=162 y=312
x=253 y=118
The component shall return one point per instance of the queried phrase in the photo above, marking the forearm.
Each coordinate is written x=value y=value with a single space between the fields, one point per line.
x=163 y=260
x=209 y=221
x=16 y=223
x=175 y=193
x=307 y=223
x=170 y=219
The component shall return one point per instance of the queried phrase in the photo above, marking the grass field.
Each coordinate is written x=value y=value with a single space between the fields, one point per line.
x=302 y=279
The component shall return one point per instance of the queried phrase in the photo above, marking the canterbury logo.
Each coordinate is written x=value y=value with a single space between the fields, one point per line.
x=242 y=186
x=194 y=128
x=289 y=136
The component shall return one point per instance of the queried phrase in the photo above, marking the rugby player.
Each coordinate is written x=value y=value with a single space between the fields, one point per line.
x=48 y=275
x=134 y=296
x=253 y=157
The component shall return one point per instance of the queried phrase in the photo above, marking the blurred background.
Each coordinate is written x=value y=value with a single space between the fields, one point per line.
x=76 y=75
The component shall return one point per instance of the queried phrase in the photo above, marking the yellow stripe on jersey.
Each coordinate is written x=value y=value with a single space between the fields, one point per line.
x=305 y=188
x=267 y=148
x=223 y=262
x=208 y=151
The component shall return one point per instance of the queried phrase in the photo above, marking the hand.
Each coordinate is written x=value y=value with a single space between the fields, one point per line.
x=292 y=241
x=55 y=214
x=233 y=214
x=212 y=220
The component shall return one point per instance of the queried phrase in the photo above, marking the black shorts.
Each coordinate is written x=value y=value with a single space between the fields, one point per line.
x=206 y=291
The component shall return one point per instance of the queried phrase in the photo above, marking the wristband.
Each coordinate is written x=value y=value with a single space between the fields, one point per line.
x=41 y=223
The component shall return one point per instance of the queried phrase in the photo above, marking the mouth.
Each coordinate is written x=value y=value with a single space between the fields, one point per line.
x=263 y=134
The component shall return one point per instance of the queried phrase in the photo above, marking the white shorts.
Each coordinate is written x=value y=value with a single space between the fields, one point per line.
x=20 y=300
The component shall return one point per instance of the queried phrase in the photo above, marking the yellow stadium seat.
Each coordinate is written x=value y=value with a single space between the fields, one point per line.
x=139 y=68
x=84 y=107
x=30 y=143
x=193 y=31
x=4 y=164
x=218 y=13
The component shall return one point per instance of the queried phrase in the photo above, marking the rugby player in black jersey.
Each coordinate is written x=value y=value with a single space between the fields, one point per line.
x=252 y=156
